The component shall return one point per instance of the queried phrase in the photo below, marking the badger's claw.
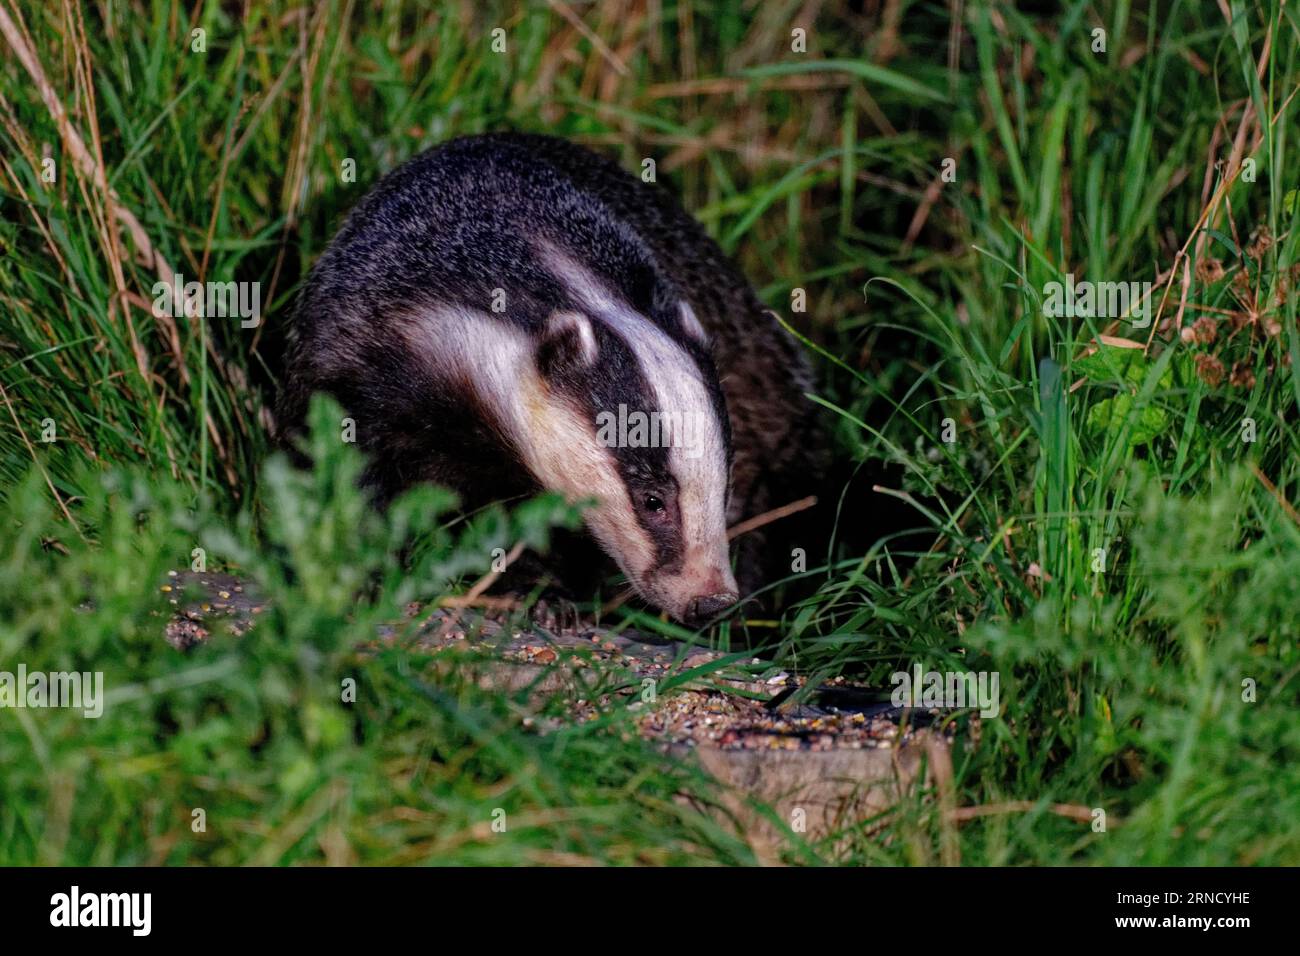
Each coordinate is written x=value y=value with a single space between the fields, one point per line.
x=555 y=613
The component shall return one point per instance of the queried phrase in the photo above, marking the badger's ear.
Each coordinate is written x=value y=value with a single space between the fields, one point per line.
x=567 y=343
x=691 y=323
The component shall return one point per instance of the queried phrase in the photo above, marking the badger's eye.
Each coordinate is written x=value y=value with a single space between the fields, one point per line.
x=654 y=503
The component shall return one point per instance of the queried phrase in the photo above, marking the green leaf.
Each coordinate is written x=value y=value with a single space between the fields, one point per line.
x=1113 y=413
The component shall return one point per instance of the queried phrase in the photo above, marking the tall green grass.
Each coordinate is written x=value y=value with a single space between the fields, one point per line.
x=1106 y=538
x=1122 y=687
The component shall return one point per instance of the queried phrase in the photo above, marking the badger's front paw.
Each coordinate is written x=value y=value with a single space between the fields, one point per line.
x=555 y=613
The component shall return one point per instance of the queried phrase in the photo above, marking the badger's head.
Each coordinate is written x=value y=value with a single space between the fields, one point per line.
x=609 y=398
x=633 y=417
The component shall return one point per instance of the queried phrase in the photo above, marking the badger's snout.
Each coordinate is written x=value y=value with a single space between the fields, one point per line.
x=701 y=610
x=697 y=593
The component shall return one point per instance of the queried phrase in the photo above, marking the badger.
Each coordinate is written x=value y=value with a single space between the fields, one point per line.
x=508 y=313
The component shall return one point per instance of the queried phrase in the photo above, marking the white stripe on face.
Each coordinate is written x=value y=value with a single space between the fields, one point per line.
x=475 y=350
x=697 y=454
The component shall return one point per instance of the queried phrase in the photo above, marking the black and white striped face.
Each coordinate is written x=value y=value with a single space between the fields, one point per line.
x=657 y=454
x=601 y=403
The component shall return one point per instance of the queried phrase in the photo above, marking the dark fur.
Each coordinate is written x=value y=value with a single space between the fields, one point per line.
x=457 y=222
